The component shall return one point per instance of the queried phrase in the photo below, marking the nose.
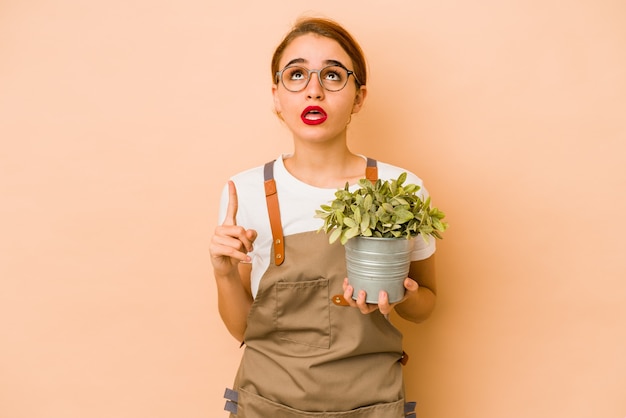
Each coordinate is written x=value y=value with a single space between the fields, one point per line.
x=314 y=88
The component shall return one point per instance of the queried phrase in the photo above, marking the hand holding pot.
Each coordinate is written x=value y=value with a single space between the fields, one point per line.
x=383 y=305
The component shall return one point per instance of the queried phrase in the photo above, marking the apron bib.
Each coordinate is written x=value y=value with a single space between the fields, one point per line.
x=307 y=354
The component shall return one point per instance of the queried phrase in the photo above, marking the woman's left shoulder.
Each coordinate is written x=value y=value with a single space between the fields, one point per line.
x=388 y=171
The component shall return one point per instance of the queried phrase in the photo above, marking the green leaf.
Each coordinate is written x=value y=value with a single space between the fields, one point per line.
x=393 y=187
x=365 y=222
x=426 y=229
x=367 y=202
x=357 y=215
x=334 y=235
x=352 y=232
x=402 y=178
x=400 y=201
x=339 y=217
x=365 y=184
x=403 y=215
x=349 y=222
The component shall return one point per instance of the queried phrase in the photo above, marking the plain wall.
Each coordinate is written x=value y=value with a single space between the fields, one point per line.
x=121 y=120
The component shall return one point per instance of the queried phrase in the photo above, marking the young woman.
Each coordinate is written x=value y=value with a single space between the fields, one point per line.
x=311 y=350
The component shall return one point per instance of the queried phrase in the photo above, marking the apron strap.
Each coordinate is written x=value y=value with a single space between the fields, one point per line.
x=271 y=197
x=371 y=171
x=273 y=209
x=232 y=399
x=409 y=409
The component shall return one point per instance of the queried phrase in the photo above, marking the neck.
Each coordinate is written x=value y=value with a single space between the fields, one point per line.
x=325 y=166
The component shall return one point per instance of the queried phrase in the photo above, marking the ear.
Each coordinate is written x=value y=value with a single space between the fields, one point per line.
x=359 y=99
x=277 y=107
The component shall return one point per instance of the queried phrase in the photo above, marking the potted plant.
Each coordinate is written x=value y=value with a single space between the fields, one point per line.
x=377 y=223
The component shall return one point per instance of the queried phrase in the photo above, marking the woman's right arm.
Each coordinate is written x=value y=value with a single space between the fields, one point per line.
x=234 y=299
x=229 y=255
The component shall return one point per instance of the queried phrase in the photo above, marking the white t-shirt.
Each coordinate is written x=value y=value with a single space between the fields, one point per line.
x=298 y=202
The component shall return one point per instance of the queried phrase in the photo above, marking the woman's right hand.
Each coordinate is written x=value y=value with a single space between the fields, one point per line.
x=231 y=243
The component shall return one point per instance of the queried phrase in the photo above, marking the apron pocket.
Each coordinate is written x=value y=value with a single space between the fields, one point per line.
x=302 y=312
x=252 y=405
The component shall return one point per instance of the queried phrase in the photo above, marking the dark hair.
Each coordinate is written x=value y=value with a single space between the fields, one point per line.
x=329 y=29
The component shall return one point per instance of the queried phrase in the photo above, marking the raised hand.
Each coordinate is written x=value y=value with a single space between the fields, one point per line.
x=230 y=243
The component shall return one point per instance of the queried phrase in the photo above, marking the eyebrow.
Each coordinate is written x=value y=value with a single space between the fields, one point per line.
x=326 y=62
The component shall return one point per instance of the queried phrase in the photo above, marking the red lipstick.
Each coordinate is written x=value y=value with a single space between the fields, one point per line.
x=313 y=115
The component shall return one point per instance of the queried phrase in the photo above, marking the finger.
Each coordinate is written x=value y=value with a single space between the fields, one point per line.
x=233 y=205
x=361 y=304
x=230 y=253
x=248 y=239
x=348 y=292
x=383 y=303
x=411 y=285
x=235 y=236
x=251 y=234
x=227 y=247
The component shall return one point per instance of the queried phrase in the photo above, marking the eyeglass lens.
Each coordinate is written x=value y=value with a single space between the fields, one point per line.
x=332 y=78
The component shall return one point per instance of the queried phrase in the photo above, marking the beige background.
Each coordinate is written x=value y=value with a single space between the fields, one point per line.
x=121 y=120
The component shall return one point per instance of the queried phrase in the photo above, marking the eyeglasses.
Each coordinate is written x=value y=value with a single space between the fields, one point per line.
x=332 y=78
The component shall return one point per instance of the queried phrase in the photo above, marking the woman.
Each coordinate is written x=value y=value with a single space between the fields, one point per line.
x=309 y=352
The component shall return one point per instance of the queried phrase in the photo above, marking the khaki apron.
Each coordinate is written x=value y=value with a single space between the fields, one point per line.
x=307 y=354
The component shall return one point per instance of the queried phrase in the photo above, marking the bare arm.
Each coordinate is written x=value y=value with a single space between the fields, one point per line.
x=229 y=255
x=421 y=294
x=234 y=299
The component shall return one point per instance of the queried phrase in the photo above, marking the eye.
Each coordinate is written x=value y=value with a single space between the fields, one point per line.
x=334 y=74
x=295 y=73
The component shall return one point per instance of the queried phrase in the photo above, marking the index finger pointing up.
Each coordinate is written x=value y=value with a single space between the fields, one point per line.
x=233 y=204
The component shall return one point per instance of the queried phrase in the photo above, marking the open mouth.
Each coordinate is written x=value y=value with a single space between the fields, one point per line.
x=313 y=115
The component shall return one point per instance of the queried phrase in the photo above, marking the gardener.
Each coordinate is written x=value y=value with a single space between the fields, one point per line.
x=281 y=286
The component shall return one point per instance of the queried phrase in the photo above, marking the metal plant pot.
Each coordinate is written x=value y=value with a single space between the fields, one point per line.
x=376 y=264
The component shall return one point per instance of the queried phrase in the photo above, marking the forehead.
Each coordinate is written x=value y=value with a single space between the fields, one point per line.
x=315 y=50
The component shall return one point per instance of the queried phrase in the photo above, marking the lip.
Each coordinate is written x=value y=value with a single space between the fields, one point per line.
x=322 y=116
